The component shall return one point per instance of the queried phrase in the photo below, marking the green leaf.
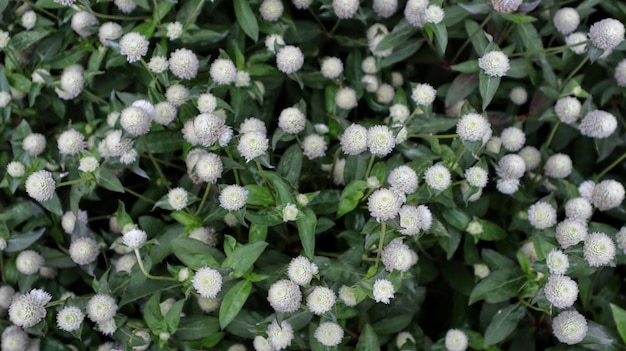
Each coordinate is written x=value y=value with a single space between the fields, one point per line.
x=257 y=233
x=441 y=35
x=152 y=314
x=18 y=242
x=397 y=37
x=306 y=230
x=368 y=340
x=488 y=87
x=499 y=286
x=491 y=231
x=477 y=36
x=172 y=318
x=290 y=164
x=456 y=218
x=244 y=257
x=258 y=195
x=619 y=316
x=108 y=180
x=350 y=197
x=26 y=38
x=424 y=124
x=160 y=141
x=234 y=301
x=404 y=52
x=194 y=253
x=246 y=19
x=461 y=87
x=186 y=219
x=503 y=323
x=197 y=327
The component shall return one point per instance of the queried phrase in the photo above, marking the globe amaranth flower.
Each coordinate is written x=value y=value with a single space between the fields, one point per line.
x=577 y=38
x=566 y=20
x=29 y=262
x=472 y=127
x=438 y=177
x=71 y=142
x=383 y=291
x=354 y=140
x=125 y=263
x=320 y=300
x=205 y=234
x=507 y=186
x=385 y=94
x=173 y=30
x=568 y=109
x=272 y=41
x=513 y=138
x=348 y=295
x=29 y=309
x=34 y=144
x=506 y=6
x=385 y=8
x=126 y=6
x=81 y=20
x=415 y=12
x=531 y=157
x=345 y=8
x=375 y=34
x=398 y=257
x=598 y=124
x=380 y=140
x=620 y=73
x=561 y=291
x=607 y=194
x=384 y=204
x=70 y=318
x=109 y=32
x=599 y=249
x=261 y=344
x=558 y=166
x=579 y=209
x=15 y=338
x=413 y=219
x=369 y=66
x=40 y=185
x=5 y=99
x=403 y=178
x=4 y=39
x=456 y=340
x=331 y=67
x=177 y=198
x=207 y=282
x=271 y=10
x=223 y=71
x=135 y=120
x=403 y=338
x=88 y=164
x=518 y=96
x=290 y=212
x=84 y=250
x=291 y=120
x=250 y=125
x=570 y=232
x=329 y=334
x=314 y=146
x=134 y=239
x=569 y=327
x=542 y=215
x=399 y=113
x=71 y=83
x=557 y=262
x=205 y=129
x=289 y=59
x=301 y=270
x=346 y=98
x=476 y=176
x=208 y=305
x=183 y=64
x=101 y=308
x=423 y=94
x=284 y=296
x=133 y=45
x=177 y=94
x=481 y=270
x=233 y=197
x=279 y=336
x=302 y=4
x=158 y=64
x=494 y=64
x=207 y=103
x=16 y=169
x=29 y=19
x=164 y=113
x=252 y=145
x=209 y=168
x=607 y=33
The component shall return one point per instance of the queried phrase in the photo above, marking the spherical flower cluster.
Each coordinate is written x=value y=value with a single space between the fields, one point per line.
x=29 y=262
x=320 y=300
x=125 y=263
x=568 y=109
x=558 y=166
x=158 y=64
x=88 y=164
x=164 y=113
x=271 y=10
x=494 y=144
x=314 y=146
x=205 y=129
x=134 y=46
x=273 y=40
x=29 y=309
x=70 y=318
x=251 y=125
x=518 y=96
x=205 y=234
x=570 y=232
x=507 y=186
x=301 y=270
x=456 y=340
x=16 y=169
x=223 y=71
x=261 y=344
x=577 y=38
x=607 y=194
x=329 y=334
x=438 y=177
x=383 y=291
x=413 y=219
x=207 y=103
x=177 y=198
x=84 y=250
x=108 y=32
x=290 y=212
x=5 y=99
x=415 y=12
x=291 y=120
x=434 y=14
x=481 y=270
x=72 y=82
x=557 y=262
x=598 y=124
x=404 y=179
x=207 y=282
x=561 y=291
x=4 y=39
x=423 y=94
x=289 y=59
x=40 y=185
x=346 y=98
x=233 y=197
x=380 y=140
x=506 y=6
x=586 y=189
x=607 y=33
x=332 y=67
x=542 y=215
x=494 y=64
x=126 y=6
x=578 y=208
x=385 y=8
x=472 y=127
x=398 y=257
x=476 y=176
x=81 y=20
x=101 y=308
x=354 y=140
x=34 y=144
x=399 y=114
x=384 y=204
x=284 y=296
x=375 y=34
x=173 y=30
x=209 y=168
x=252 y=145
x=345 y=8
x=15 y=338
x=531 y=157
x=385 y=94
x=566 y=20
x=369 y=66
x=135 y=120
x=348 y=295
x=513 y=138
x=279 y=336
x=184 y=64
x=599 y=249
x=134 y=239
x=177 y=94
x=29 y=19
x=71 y=142
x=569 y=327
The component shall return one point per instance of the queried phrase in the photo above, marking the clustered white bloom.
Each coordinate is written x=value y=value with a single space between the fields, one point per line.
x=177 y=198
x=494 y=64
x=320 y=300
x=184 y=64
x=284 y=296
x=84 y=250
x=569 y=327
x=383 y=291
x=329 y=334
x=607 y=33
x=207 y=282
x=40 y=185
x=561 y=291
x=29 y=309
x=233 y=197
x=472 y=127
x=438 y=177
x=384 y=204
x=279 y=336
x=398 y=256
x=542 y=215
x=599 y=249
x=134 y=45
x=289 y=59
x=456 y=340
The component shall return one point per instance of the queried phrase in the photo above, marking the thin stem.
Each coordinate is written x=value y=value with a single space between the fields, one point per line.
x=154 y=162
x=95 y=97
x=70 y=182
x=154 y=78
x=318 y=20
x=265 y=181
x=436 y=136
x=235 y=171
x=148 y=275
x=48 y=13
x=102 y=15
x=468 y=40
x=132 y=192
x=552 y=133
x=555 y=49
x=332 y=31
x=611 y=166
x=194 y=14
x=97 y=218
x=580 y=65
x=459 y=154
x=369 y=166
x=383 y=227
x=206 y=194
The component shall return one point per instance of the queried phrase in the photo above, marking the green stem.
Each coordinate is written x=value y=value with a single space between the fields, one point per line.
x=102 y=15
x=48 y=13
x=132 y=192
x=265 y=181
x=148 y=275
x=580 y=65
x=552 y=133
x=468 y=40
x=383 y=227
x=95 y=97
x=369 y=166
x=154 y=78
x=206 y=194
x=459 y=154
x=70 y=182
x=235 y=171
x=436 y=136
x=193 y=14
x=554 y=49
x=611 y=166
x=154 y=162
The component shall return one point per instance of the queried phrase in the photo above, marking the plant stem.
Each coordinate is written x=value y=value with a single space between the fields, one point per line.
x=102 y=15
x=95 y=97
x=70 y=182
x=611 y=166
x=580 y=65
x=154 y=162
x=459 y=154
x=556 y=126
x=468 y=40
x=436 y=136
x=132 y=192
x=235 y=171
x=194 y=14
x=383 y=227
x=154 y=78
x=206 y=194
x=369 y=166
x=148 y=275
x=265 y=181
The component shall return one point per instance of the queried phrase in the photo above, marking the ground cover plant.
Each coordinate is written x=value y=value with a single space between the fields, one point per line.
x=312 y=175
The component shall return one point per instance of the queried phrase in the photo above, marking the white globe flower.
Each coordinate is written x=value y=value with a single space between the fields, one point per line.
x=205 y=234
x=15 y=338
x=569 y=327
x=542 y=215
x=380 y=140
x=206 y=129
x=620 y=73
x=164 y=113
x=570 y=232
x=29 y=19
x=72 y=82
x=354 y=140
x=385 y=8
x=383 y=291
x=101 y=308
x=29 y=262
x=607 y=33
x=346 y=98
x=302 y=4
x=494 y=64
x=126 y=6
x=290 y=212
x=173 y=30
x=88 y=164
x=472 y=127
x=70 y=318
x=456 y=340
x=4 y=39
x=598 y=124
x=320 y=300
x=40 y=185
x=184 y=64
x=16 y=169
x=577 y=38
x=233 y=197
x=279 y=336
x=558 y=166
x=561 y=291
x=599 y=249
x=608 y=194
x=345 y=8
x=423 y=94
x=177 y=198
x=566 y=20
x=329 y=334
x=81 y=20
x=511 y=166
x=399 y=113
x=332 y=67
x=134 y=239
x=209 y=168
x=434 y=14
x=5 y=99
x=384 y=204
x=71 y=142
x=494 y=144
x=369 y=66
x=126 y=263
x=438 y=177
x=531 y=157
x=134 y=45
x=261 y=344
x=413 y=219
x=291 y=120
x=223 y=71
x=135 y=120
x=250 y=125
x=507 y=186
x=207 y=282
x=301 y=270
x=481 y=270
x=348 y=295
x=476 y=176
x=578 y=208
x=207 y=103
x=271 y=10
x=177 y=94
x=314 y=146
x=513 y=139
x=29 y=309
x=289 y=59
x=415 y=12
x=84 y=250
x=34 y=144
x=273 y=40
x=109 y=32
x=557 y=262
x=403 y=178
x=518 y=96
x=158 y=64
x=252 y=145
x=284 y=296
x=385 y=94
x=398 y=257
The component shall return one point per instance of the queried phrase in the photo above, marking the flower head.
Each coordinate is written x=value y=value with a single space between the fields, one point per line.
x=284 y=296
x=279 y=336
x=472 y=127
x=506 y=6
x=233 y=197
x=223 y=71
x=271 y=10
x=134 y=239
x=173 y=30
x=332 y=67
x=329 y=334
x=158 y=64
x=398 y=257
x=456 y=340
x=320 y=300
x=385 y=8
x=577 y=38
x=384 y=204
x=29 y=262
x=570 y=232
x=81 y=20
x=184 y=64
x=101 y=308
x=84 y=250
x=383 y=291
x=289 y=59
x=566 y=20
x=513 y=138
x=40 y=185
x=561 y=291
x=135 y=120
x=70 y=318
x=380 y=140
x=598 y=124
x=348 y=295
x=16 y=169
x=354 y=140
x=518 y=96
x=403 y=178
x=291 y=120
x=423 y=94
x=438 y=177
x=494 y=63
x=273 y=40
x=208 y=282
x=558 y=166
x=569 y=327
x=607 y=194
x=134 y=46
x=314 y=146
x=413 y=219
x=252 y=145
x=301 y=270
x=177 y=198
x=209 y=168
x=599 y=249
x=345 y=8
x=71 y=142
x=607 y=33
x=346 y=98
x=542 y=215
x=557 y=262
x=29 y=309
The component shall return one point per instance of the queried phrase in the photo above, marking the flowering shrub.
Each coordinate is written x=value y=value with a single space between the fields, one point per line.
x=312 y=175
